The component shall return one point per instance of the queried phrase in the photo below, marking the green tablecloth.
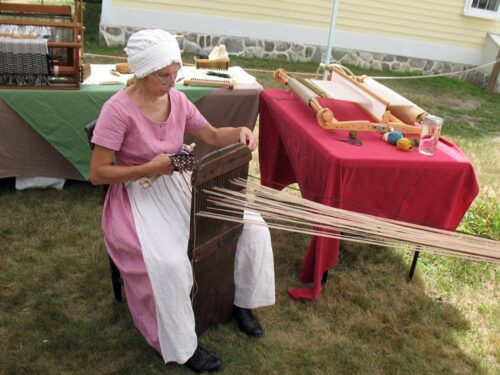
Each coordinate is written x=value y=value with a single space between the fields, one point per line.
x=60 y=116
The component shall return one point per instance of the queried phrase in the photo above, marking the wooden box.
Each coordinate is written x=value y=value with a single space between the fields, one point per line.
x=212 y=64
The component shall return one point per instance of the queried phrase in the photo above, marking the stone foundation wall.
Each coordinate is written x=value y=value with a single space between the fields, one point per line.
x=278 y=50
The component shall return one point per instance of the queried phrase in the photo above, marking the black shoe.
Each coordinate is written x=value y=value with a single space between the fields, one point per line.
x=203 y=361
x=247 y=322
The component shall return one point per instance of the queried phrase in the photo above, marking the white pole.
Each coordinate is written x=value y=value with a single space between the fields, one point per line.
x=333 y=21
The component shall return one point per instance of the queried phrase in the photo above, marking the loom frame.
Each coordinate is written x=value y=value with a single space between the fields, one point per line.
x=71 y=71
x=212 y=243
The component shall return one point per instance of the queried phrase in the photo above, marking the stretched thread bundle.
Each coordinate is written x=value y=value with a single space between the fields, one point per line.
x=290 y=213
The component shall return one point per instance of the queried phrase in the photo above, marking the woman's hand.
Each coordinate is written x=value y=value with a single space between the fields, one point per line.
x=103 y=170
x=247 y=138
x=220 y=137
x=161 y=164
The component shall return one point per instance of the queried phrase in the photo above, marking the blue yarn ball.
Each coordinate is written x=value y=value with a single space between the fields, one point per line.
x=394 y=137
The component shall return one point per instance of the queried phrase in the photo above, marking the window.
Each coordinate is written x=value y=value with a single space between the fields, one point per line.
x=489 y=9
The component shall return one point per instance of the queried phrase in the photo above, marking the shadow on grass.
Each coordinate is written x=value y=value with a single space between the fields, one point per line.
x=368 y=319
x=58 y=315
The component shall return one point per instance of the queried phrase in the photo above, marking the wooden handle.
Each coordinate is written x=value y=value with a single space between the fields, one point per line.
x=281 y=76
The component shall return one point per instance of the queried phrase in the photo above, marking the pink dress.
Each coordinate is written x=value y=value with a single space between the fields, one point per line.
x=136 y=139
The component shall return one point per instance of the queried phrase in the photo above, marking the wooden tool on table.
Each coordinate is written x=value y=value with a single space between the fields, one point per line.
x=211 y=78
x=310 y=93
x=227 y=84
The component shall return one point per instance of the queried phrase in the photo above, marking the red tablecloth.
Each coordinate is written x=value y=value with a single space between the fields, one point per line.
x=375 y=178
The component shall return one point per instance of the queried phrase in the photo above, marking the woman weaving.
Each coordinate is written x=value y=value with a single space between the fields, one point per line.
x=146 y=230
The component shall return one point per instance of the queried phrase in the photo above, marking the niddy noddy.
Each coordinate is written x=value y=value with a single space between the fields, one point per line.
x=327 y=120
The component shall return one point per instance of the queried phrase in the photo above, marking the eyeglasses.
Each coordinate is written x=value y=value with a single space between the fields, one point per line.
x=166 y=78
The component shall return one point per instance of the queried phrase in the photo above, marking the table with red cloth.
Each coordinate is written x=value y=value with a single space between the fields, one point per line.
x=375 y=178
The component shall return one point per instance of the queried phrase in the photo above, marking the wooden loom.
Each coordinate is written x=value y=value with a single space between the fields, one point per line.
x=212 y=243
x=65 y=70
x=324 y=116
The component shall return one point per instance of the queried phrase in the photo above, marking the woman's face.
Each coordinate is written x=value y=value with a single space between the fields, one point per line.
x=161 y=81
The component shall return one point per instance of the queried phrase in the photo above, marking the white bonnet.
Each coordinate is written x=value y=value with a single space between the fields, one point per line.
x=151 y=50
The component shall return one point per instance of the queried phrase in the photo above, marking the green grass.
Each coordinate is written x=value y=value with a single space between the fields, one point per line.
x=58 y=316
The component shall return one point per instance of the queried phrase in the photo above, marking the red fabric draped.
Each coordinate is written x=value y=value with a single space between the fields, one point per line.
x=375 y=178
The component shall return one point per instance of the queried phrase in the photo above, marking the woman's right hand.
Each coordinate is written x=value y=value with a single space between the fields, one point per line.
x=103 y=170
x=161 y=164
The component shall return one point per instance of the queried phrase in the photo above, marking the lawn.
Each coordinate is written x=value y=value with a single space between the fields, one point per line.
x=58 y=315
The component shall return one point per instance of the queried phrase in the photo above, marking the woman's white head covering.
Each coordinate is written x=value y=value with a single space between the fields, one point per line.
x=151 y=50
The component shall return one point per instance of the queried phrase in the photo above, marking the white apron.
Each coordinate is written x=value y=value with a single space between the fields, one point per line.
x=161 y=216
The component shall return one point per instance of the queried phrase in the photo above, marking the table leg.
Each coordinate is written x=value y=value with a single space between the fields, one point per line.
x=413 y=265
x=324 y=278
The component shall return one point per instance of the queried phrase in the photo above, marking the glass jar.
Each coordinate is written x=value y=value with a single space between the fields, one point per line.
x=429 y=137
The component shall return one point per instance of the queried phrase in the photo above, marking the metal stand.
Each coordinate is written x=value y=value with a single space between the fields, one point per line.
x=324 y=278
x=413 y=265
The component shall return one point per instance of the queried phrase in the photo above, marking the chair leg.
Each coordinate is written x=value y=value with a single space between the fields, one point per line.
x=116 y=280
x=413 y=265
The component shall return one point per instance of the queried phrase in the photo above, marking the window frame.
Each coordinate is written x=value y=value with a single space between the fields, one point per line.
x=481 y=13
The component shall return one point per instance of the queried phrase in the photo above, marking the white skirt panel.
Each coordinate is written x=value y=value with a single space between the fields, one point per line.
x=254 y=265
x=162 y=216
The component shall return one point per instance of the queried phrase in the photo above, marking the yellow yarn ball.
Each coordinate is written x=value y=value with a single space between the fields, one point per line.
x=404 y=144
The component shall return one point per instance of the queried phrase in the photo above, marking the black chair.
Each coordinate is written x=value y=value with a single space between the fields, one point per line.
x=116 y=279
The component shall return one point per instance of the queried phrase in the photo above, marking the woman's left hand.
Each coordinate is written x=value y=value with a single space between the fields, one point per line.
x=247 y=138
